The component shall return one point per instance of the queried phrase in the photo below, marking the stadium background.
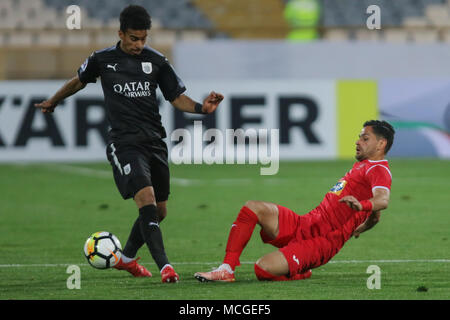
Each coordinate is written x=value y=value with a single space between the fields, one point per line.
x=336 y=71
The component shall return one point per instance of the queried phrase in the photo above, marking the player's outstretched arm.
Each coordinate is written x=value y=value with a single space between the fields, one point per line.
x=69 y=88
x=186 y=104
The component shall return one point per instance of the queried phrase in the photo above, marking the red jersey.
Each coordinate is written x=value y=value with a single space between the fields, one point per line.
x=360 y=181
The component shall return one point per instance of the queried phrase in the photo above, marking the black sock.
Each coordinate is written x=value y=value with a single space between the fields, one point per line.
x=135 y=240
x=149 y=225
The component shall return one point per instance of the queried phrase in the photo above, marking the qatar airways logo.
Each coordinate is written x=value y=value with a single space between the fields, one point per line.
x=135 y=89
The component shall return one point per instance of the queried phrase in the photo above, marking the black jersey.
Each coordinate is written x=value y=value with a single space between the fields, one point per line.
x=129 y=85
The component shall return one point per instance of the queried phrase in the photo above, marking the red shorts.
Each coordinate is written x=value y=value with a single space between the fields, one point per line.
x=288 y=224
x=292 y=226
x=308 y=241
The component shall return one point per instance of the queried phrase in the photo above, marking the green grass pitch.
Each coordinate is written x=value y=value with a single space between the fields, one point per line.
x=47 y=211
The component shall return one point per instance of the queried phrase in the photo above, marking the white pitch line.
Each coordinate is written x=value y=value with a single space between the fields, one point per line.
x=183 y=182
x=98 y=173
x=44 y=265
x=82 y=171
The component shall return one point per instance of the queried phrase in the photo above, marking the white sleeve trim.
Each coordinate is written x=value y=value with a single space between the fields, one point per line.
x=380 y=187
x=379 y=165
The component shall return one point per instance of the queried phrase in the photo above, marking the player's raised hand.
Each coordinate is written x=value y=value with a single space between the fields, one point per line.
x=211 y=102
x=352 y=202
x=46 y=106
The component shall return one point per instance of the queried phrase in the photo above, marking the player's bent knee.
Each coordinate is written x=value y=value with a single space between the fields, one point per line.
x=252 y=205
x=144 y=197
x=267 y=214
x=257 y=207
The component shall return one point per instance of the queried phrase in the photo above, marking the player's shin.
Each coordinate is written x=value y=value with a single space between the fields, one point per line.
x=240 y=233
x=134 y=242
x=151 y=233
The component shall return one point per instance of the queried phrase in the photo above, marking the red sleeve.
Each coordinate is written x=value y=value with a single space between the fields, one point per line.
x=379 y=176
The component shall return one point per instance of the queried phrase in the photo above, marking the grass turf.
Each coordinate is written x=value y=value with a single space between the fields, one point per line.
x=48 y=211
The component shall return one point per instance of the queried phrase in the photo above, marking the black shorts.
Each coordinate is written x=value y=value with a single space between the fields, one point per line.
x=139 y=165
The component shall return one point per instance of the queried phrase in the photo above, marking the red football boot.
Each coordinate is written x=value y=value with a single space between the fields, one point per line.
x=134 y=268
x=168 y=274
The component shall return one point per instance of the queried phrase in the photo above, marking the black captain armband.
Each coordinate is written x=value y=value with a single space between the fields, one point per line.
x=198 y=108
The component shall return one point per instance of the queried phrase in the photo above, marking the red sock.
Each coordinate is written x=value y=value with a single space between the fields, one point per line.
x=240 y=234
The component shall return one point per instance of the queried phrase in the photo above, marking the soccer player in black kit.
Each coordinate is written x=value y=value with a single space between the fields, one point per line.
x=130 y=72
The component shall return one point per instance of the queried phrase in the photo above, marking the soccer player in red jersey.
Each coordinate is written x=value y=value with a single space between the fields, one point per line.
x=308 y=241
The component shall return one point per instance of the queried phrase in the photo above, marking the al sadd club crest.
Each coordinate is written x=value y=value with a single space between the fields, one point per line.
x=147 y=67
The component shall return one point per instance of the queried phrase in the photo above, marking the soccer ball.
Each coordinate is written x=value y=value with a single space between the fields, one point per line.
x=102 y=250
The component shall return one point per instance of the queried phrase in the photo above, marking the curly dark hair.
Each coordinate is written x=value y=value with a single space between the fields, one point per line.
x=382 y=129
x=135 y=17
